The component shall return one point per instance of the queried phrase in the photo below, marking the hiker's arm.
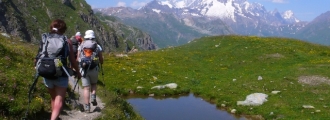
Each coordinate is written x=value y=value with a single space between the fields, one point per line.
x=100 y=57
x=72 y=59
x=78 y=54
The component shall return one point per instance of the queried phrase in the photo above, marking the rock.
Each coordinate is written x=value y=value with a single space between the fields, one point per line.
x=275 y=92
x=254 y=99
x=5 y=34
x=271 y=113
x=171 y=85
x=158 y=87
x=233 y=111
x=131 y=91
x=308 y=107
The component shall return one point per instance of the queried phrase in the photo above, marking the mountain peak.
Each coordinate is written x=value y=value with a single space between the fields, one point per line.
x=289 y=16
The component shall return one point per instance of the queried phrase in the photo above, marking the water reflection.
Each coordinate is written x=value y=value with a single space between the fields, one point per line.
x=182 y=108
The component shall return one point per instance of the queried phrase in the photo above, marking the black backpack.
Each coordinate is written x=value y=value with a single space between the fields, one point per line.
x=75 y=44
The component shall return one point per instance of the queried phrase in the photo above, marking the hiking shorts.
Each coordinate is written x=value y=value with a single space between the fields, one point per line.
x=91 y=77
x=59 y=82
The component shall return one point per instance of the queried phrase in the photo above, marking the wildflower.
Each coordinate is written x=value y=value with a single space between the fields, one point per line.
x=154 y=77
x=39 y=99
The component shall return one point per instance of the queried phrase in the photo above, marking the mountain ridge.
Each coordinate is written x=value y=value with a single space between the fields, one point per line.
x=242 y=18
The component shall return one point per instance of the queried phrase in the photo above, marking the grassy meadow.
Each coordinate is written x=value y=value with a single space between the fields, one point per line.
x=17 y=73
x=221 y=69
x=225 y=69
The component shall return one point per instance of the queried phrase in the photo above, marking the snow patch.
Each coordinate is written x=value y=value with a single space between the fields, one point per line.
x=157 y=11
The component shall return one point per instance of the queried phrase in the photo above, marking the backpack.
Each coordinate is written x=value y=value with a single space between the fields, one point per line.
x=88 y=54
x=75 y=44
x=52 y=55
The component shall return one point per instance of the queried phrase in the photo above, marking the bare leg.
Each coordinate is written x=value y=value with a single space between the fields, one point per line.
x=52 y=93
x=93 y=97
x=57 y=95
x=86 y=94
x=93 y=88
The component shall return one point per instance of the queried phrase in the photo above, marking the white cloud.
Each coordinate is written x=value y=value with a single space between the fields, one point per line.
x=137 y=4
x=278 y=1
x=121 y=4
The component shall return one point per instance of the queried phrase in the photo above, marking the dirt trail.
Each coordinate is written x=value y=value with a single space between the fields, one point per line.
x=77 y=113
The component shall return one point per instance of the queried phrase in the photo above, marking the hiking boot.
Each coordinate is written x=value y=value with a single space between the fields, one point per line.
x=87 y=108
x=93 y=96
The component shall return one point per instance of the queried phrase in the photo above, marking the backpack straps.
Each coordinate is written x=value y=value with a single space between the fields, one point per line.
x=45 y=41
x=66 y=47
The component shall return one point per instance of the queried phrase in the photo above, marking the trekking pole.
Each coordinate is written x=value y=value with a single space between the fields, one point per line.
x=36 y=76
x=105 y=94
x=73 y=90
x=102 y=72
x=67 y=73
x=83 y=72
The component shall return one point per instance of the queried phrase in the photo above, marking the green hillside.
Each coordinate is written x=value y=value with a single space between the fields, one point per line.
x=17 y=73
x=225 y=69
x=30 y=18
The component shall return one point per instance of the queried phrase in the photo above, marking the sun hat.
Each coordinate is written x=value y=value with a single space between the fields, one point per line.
x=89 y=34
x=78 y=34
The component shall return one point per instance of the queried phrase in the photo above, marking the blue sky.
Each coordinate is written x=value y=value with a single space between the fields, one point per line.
x=305 y=10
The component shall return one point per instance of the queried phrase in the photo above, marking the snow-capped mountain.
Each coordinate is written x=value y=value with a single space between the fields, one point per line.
x=223 y=9
x=207 y=17
x=289 y=17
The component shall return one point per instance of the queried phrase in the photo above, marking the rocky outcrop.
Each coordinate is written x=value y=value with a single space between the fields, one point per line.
x=11 y=20
x=146 y=43
x=108 y=39
x=28 y=19
x=133 y=37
